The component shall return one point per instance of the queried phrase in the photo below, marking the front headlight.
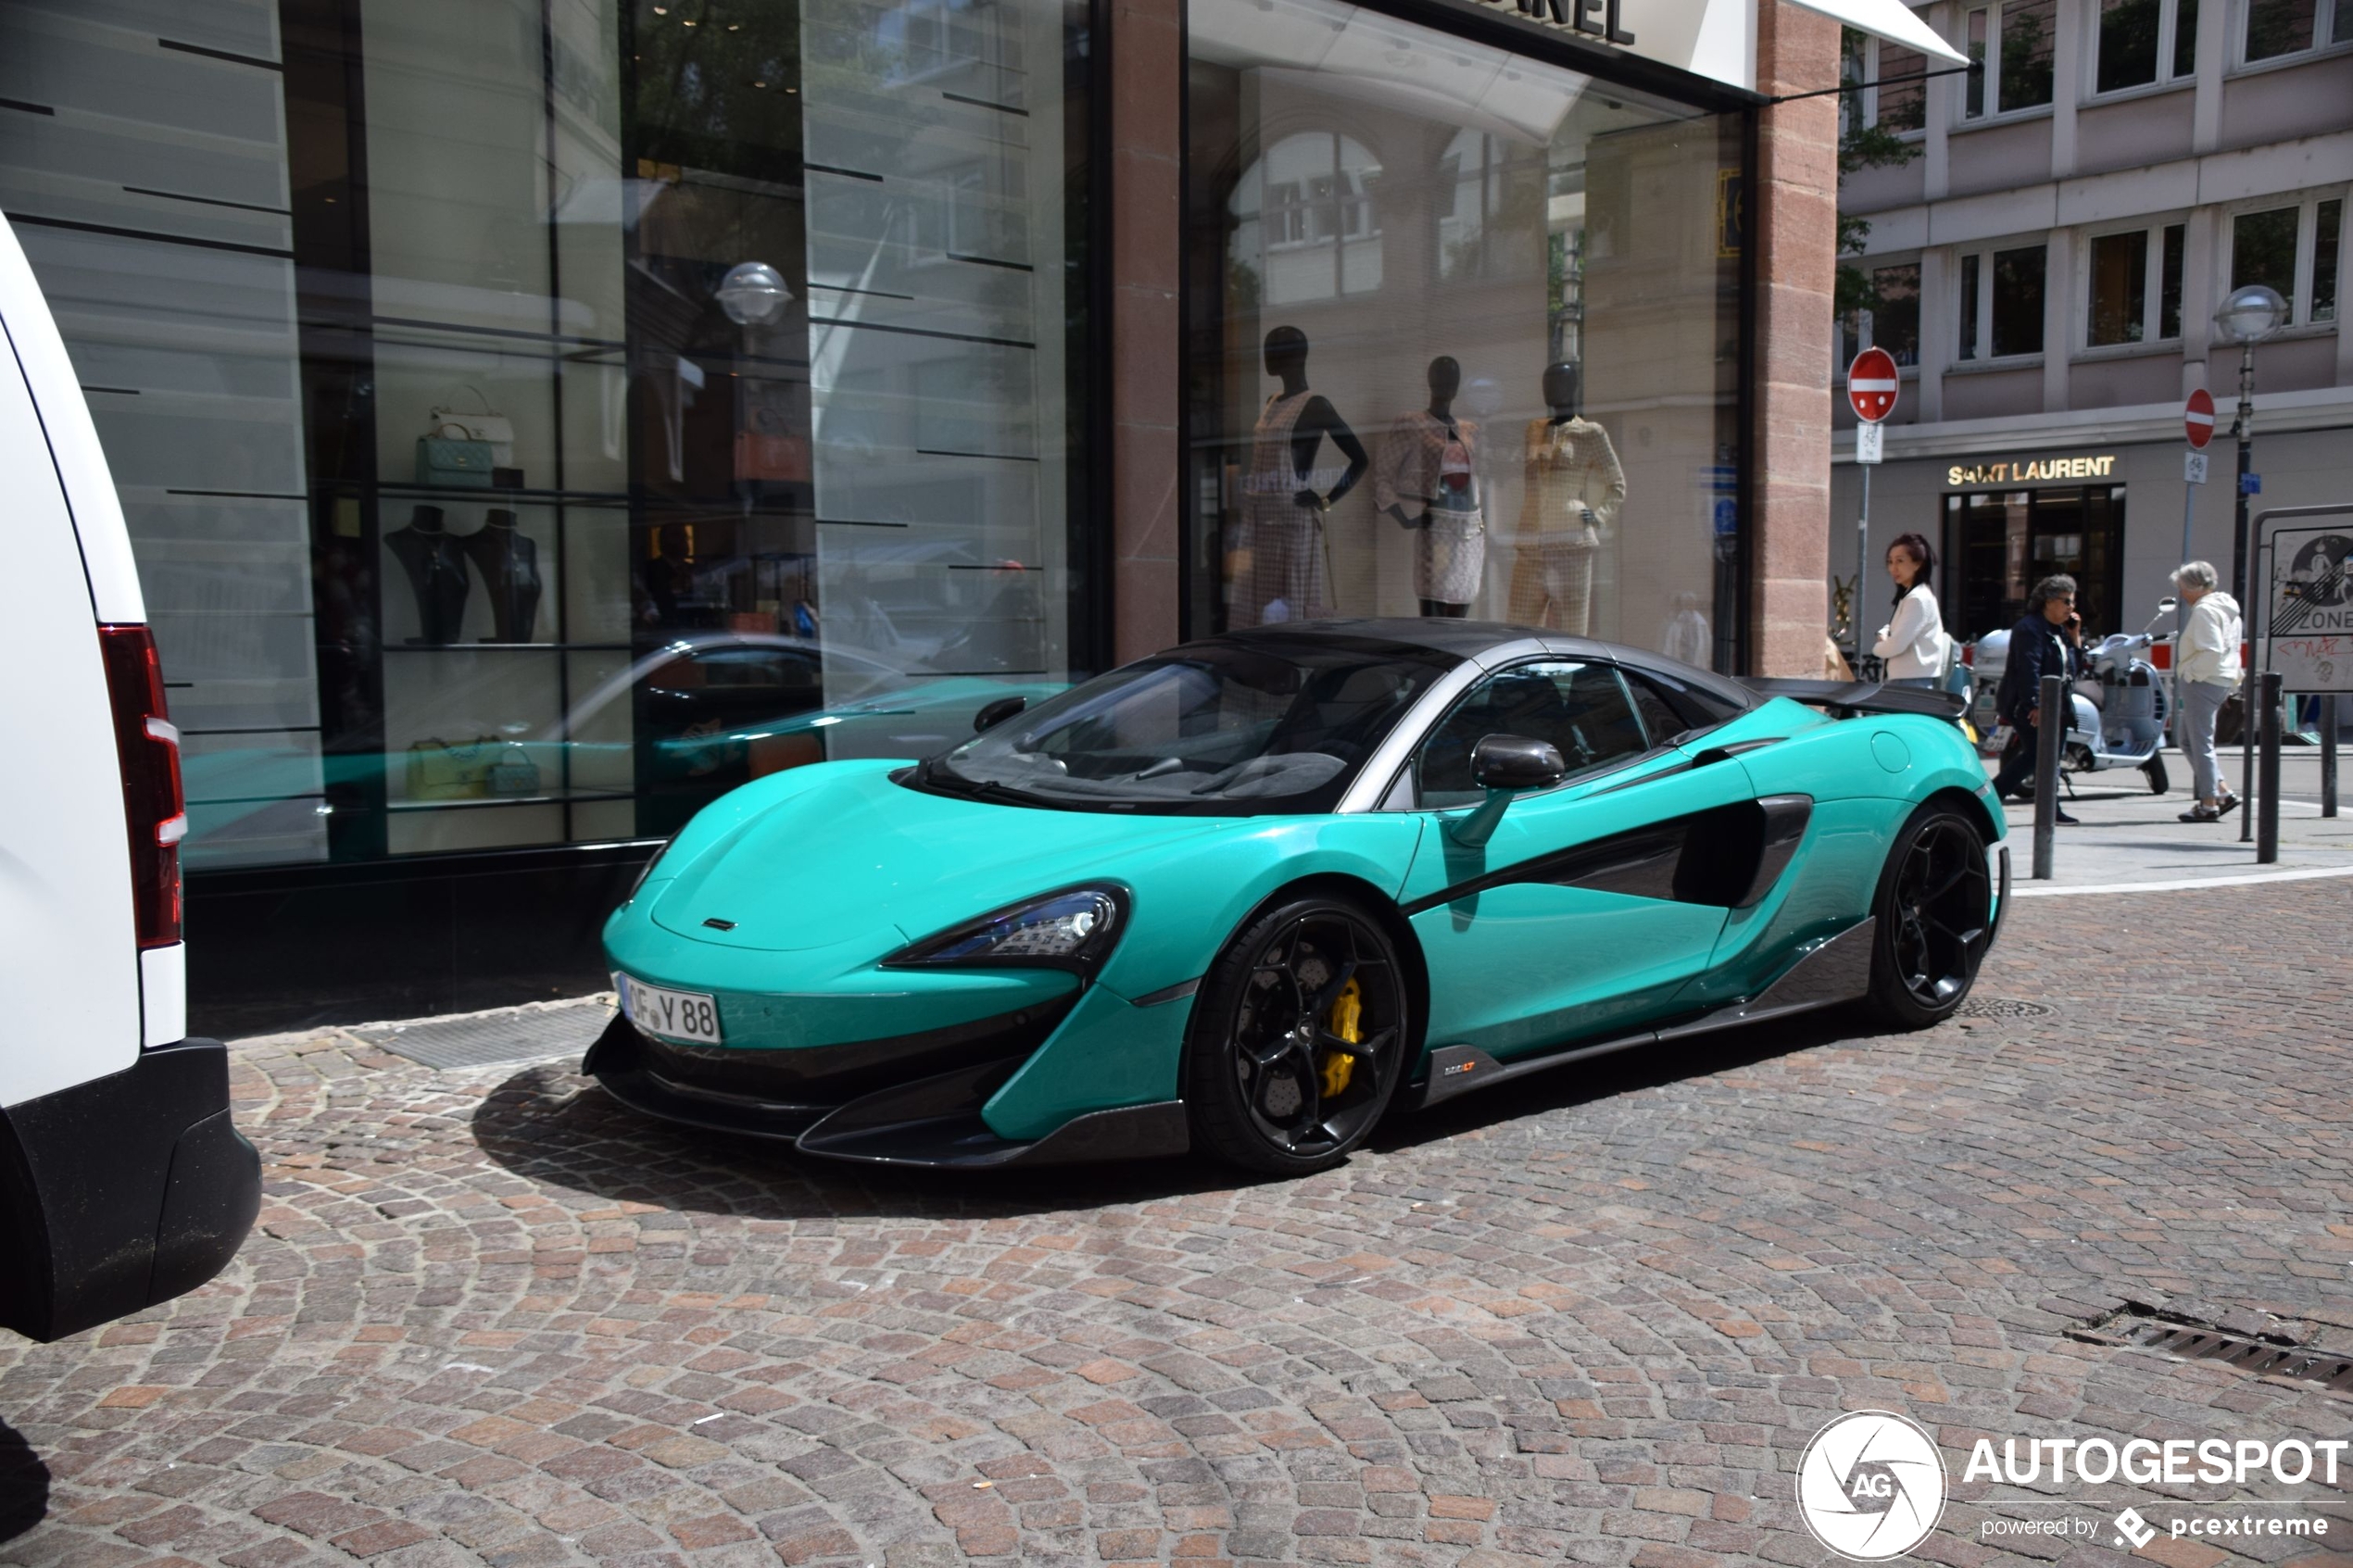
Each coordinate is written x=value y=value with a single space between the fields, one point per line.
x=638 y=885
x=1073 y=930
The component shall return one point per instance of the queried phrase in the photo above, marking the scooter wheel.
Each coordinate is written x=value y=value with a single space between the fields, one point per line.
x=2154 y=770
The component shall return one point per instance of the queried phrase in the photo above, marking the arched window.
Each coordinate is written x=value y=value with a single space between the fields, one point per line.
x=1307 y=221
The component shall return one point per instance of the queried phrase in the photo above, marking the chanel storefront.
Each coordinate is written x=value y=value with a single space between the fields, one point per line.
x=535 y=418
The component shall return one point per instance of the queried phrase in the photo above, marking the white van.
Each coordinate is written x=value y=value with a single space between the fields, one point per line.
x=122 y=1180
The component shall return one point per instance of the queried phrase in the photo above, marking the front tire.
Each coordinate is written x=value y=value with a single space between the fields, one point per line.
x=1934 y=907
x=2154 y=769
x=1298 y=1038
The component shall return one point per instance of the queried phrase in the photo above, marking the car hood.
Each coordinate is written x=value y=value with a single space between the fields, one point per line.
x=860 y=859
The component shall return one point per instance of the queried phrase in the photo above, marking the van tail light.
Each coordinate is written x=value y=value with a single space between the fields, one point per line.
x=153 y=802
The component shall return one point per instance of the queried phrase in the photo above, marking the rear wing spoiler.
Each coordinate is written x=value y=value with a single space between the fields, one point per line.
x=1844 y=699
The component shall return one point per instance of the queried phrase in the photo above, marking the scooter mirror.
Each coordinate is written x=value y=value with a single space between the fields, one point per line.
x=2166 y=604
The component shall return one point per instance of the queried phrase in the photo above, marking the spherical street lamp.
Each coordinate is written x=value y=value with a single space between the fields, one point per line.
x=2250 y=314
x=2246 y=316
x=753 y=294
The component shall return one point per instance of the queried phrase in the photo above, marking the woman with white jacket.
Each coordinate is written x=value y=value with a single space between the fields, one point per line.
x=1913 y=642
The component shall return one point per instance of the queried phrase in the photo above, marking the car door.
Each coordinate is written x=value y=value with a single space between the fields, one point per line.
x=1590 y=907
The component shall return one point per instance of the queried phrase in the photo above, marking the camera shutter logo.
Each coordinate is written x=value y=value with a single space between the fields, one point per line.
x=1872 y=1486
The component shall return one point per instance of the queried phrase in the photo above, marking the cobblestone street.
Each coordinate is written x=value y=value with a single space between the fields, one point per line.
x=490 y=1316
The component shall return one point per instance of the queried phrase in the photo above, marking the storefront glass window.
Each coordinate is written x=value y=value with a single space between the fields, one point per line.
x=1463 y=335
x=534 y=420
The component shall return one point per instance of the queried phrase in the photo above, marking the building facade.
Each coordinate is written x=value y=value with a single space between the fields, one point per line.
x=537 y=416
x=2047 y=271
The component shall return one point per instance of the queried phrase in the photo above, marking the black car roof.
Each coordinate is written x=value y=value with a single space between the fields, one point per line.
x=1482 y=641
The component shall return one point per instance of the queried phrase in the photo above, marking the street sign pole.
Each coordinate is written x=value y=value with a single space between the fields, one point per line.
x=1872 y=383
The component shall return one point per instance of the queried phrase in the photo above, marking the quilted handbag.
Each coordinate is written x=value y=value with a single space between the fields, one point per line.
x=453 y=460
x=439 y=771
x=513 y=774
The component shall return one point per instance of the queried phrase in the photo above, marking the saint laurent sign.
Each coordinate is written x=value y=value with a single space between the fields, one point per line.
x=1595 y=19
x=2028 y=470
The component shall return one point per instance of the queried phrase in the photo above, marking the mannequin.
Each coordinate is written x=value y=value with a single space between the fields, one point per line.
x=509 y=561
x=1289 y=555
x=436 y=568
x=1428 y=460
x=1570 y=502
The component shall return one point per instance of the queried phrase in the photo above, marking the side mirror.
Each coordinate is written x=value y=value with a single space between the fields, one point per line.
x=1504 y=766
x=2166 y=604
x=1515 y=762
x=995 y=713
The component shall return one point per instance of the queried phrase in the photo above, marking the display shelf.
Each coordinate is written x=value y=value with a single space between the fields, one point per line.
x=521 y=647
x=470 y=802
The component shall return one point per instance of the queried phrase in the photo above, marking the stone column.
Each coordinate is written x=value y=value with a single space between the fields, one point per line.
x=1147 y=72
x=1796 y=229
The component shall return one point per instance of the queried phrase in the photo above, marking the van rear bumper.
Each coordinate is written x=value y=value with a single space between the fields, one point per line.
x=121 y=1192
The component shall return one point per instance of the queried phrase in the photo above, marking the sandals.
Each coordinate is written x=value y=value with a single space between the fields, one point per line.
x=2201 y=812
x=2230 y=804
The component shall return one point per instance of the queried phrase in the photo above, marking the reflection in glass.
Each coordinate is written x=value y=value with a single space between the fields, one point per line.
x=1515 y=215
x=533 y=420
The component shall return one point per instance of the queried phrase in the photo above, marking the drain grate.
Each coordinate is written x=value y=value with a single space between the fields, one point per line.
x=484 y=1039
x=2262 y=1356
x=2002 y=1006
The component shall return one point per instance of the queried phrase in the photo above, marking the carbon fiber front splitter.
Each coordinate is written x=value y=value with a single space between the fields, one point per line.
x=932 y=1123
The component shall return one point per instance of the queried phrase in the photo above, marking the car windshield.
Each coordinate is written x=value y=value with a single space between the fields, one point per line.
x=1213 y=729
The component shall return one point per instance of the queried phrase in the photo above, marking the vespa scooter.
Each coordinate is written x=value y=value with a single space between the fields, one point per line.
x=2119 y=708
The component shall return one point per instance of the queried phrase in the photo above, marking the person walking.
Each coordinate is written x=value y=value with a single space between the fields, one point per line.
x=2207 y=664
x=2041 y=643
x=1913 y=642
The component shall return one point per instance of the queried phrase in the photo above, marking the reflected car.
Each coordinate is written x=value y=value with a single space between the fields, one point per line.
x=1253 y=894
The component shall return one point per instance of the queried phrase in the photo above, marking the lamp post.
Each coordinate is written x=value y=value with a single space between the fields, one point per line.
x=2246 y=317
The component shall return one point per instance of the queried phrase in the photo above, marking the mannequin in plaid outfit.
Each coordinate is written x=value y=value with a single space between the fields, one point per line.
x=1284 y=515
x=1574 y=489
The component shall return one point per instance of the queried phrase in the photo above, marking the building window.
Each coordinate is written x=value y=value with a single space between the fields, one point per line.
x=2144 y=42
x=1455 y=349
x=1892 y=323
x=2295 y=250
x=2001 y=302
x=1892 y=93
x=2135 y=288
x=2012 y=40
x=2278 y=28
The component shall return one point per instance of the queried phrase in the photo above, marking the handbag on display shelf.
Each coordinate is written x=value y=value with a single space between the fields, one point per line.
x=444 y=459
x=439 y=771
x=479 y=424
x=513 y=774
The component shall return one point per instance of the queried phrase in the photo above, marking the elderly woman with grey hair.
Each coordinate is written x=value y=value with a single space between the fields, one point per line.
x=2207 y=662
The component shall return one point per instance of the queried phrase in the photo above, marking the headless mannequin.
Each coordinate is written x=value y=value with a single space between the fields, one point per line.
x=1445 y=381
x=509 y=561
x=1574 y=490
x=1288 y=554
x=437 y=566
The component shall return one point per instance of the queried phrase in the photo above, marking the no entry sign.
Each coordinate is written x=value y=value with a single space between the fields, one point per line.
x=2198 y=418
x=1871 y=384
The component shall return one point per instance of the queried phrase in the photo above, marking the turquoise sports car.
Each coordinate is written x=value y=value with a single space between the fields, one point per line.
x=1253 y=893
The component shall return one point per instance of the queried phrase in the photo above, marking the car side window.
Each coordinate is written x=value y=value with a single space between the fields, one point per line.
x=1660 y=721
x=1581 y=708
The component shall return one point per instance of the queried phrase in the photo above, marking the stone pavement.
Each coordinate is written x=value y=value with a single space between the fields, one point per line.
x=2129 y=835
x=490 y=1317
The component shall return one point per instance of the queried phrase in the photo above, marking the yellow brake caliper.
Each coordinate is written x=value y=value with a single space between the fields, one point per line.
x=1346 y=1022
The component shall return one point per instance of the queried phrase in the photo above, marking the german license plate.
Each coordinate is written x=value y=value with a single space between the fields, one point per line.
x=675 y=1015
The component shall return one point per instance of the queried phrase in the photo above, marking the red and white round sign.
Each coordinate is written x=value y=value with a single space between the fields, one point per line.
x=1871 y=384
x=2198 y=418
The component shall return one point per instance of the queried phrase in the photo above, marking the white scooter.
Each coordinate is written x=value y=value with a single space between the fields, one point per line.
x=2119 y=705
x=2117 y=713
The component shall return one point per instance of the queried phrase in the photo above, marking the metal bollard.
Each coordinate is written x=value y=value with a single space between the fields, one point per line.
x=2267 y=833
x=2330 y=714
x=2049 y=735
x=2249 y=729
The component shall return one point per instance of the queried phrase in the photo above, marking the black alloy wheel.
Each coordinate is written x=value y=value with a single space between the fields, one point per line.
x=1936 y=910
x=1298 y=1038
